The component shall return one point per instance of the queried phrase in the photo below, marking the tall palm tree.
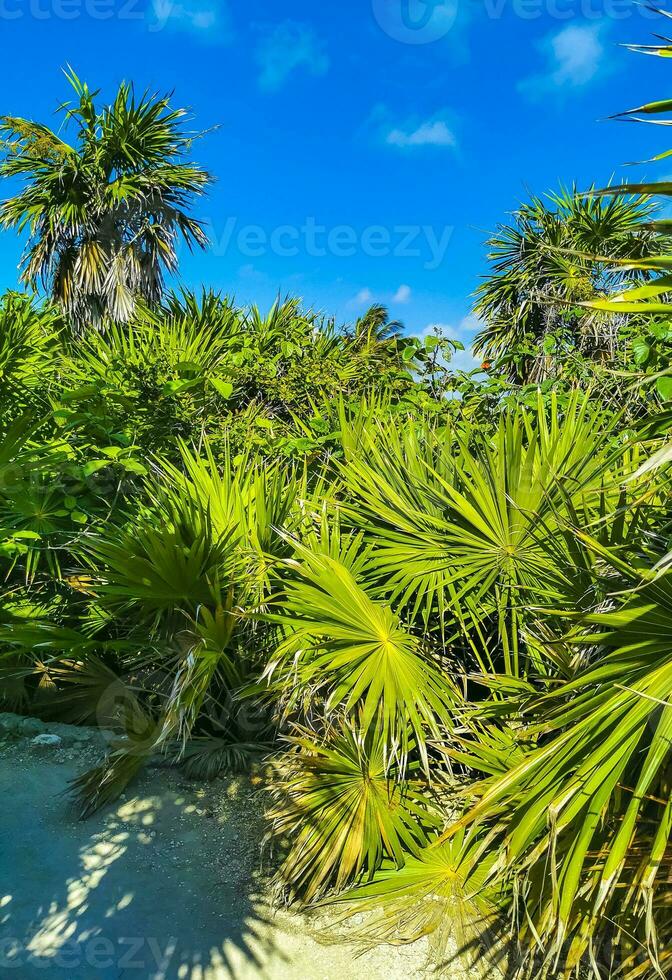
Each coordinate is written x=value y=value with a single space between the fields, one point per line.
x=542 y=267
x=377 y=336
x=375 y=327
x=103 y=215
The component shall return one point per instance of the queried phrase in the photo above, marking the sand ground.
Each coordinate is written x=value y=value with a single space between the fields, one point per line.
x=167 y=885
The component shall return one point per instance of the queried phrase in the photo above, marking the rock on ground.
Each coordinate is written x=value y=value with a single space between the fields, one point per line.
x=47 y=741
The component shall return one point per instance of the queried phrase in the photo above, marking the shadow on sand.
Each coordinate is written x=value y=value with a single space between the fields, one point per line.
x=153 y=888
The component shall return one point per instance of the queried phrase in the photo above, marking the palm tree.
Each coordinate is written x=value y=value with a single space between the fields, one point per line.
x=376 y=334
x=542 y=267
x=103 y=215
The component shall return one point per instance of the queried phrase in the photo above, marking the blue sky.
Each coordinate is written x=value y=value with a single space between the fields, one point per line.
x=364 y=149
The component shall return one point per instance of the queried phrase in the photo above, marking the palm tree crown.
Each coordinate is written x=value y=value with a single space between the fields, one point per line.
x=104 y=215
x=543 y=266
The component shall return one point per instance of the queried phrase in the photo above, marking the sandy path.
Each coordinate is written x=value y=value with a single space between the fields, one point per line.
x=165 y=886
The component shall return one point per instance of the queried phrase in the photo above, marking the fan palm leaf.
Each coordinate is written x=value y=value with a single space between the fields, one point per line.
x=585 y=817
x=341 y=811
x=472 y=530
x=358 y=654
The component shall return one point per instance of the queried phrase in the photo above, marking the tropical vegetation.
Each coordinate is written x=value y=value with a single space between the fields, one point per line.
x=430 y=608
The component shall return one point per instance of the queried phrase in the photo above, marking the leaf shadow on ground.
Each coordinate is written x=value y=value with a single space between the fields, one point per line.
x=155 y=887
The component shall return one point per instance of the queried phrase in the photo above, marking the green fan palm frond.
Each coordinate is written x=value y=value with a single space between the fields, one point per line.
x=207 y=757
x=357 y=654
x=247 y=498
x=472 y=530
x=28 y=351
x=160 y=571
x=341 y=812
x=70 y=671
x=183 y=581
x=584 y=818
x=443 y=892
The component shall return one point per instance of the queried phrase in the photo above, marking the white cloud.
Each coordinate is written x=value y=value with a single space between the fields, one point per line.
x=574 y=56
x=286 y=47
x=362 y=297
x=466 y=327
x=366 y=296
x=577 y=51
x=249 y=271
x=208 y=18
x=430 y=133
x=412 y=133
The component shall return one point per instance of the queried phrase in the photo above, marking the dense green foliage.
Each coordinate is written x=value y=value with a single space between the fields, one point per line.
x=438 y=626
